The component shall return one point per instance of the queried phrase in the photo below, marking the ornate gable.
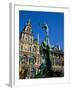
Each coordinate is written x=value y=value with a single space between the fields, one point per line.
x=28 y=28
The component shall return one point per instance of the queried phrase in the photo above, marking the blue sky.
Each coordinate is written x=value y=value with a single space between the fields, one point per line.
x=55 y=21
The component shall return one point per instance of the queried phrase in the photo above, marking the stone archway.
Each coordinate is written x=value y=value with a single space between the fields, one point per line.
x=24 y=59
x=32 y=60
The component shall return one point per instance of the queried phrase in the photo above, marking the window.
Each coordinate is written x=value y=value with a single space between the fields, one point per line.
x=32 y=60
x=24 y=59
x=30 y=49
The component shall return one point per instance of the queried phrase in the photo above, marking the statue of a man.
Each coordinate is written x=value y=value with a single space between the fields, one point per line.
x=45 y=27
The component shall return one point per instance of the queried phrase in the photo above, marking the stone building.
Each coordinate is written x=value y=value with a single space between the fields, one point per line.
x=57 y=59
x=29 y=55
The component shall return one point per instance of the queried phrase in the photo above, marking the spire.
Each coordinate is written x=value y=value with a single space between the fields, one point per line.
x=38 y=37
x=28 y=28
x=59 y=47
x=29 y=22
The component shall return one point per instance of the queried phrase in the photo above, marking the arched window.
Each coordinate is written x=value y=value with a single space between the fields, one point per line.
x=24 y=59
x=32 y=60
x=58 y=61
